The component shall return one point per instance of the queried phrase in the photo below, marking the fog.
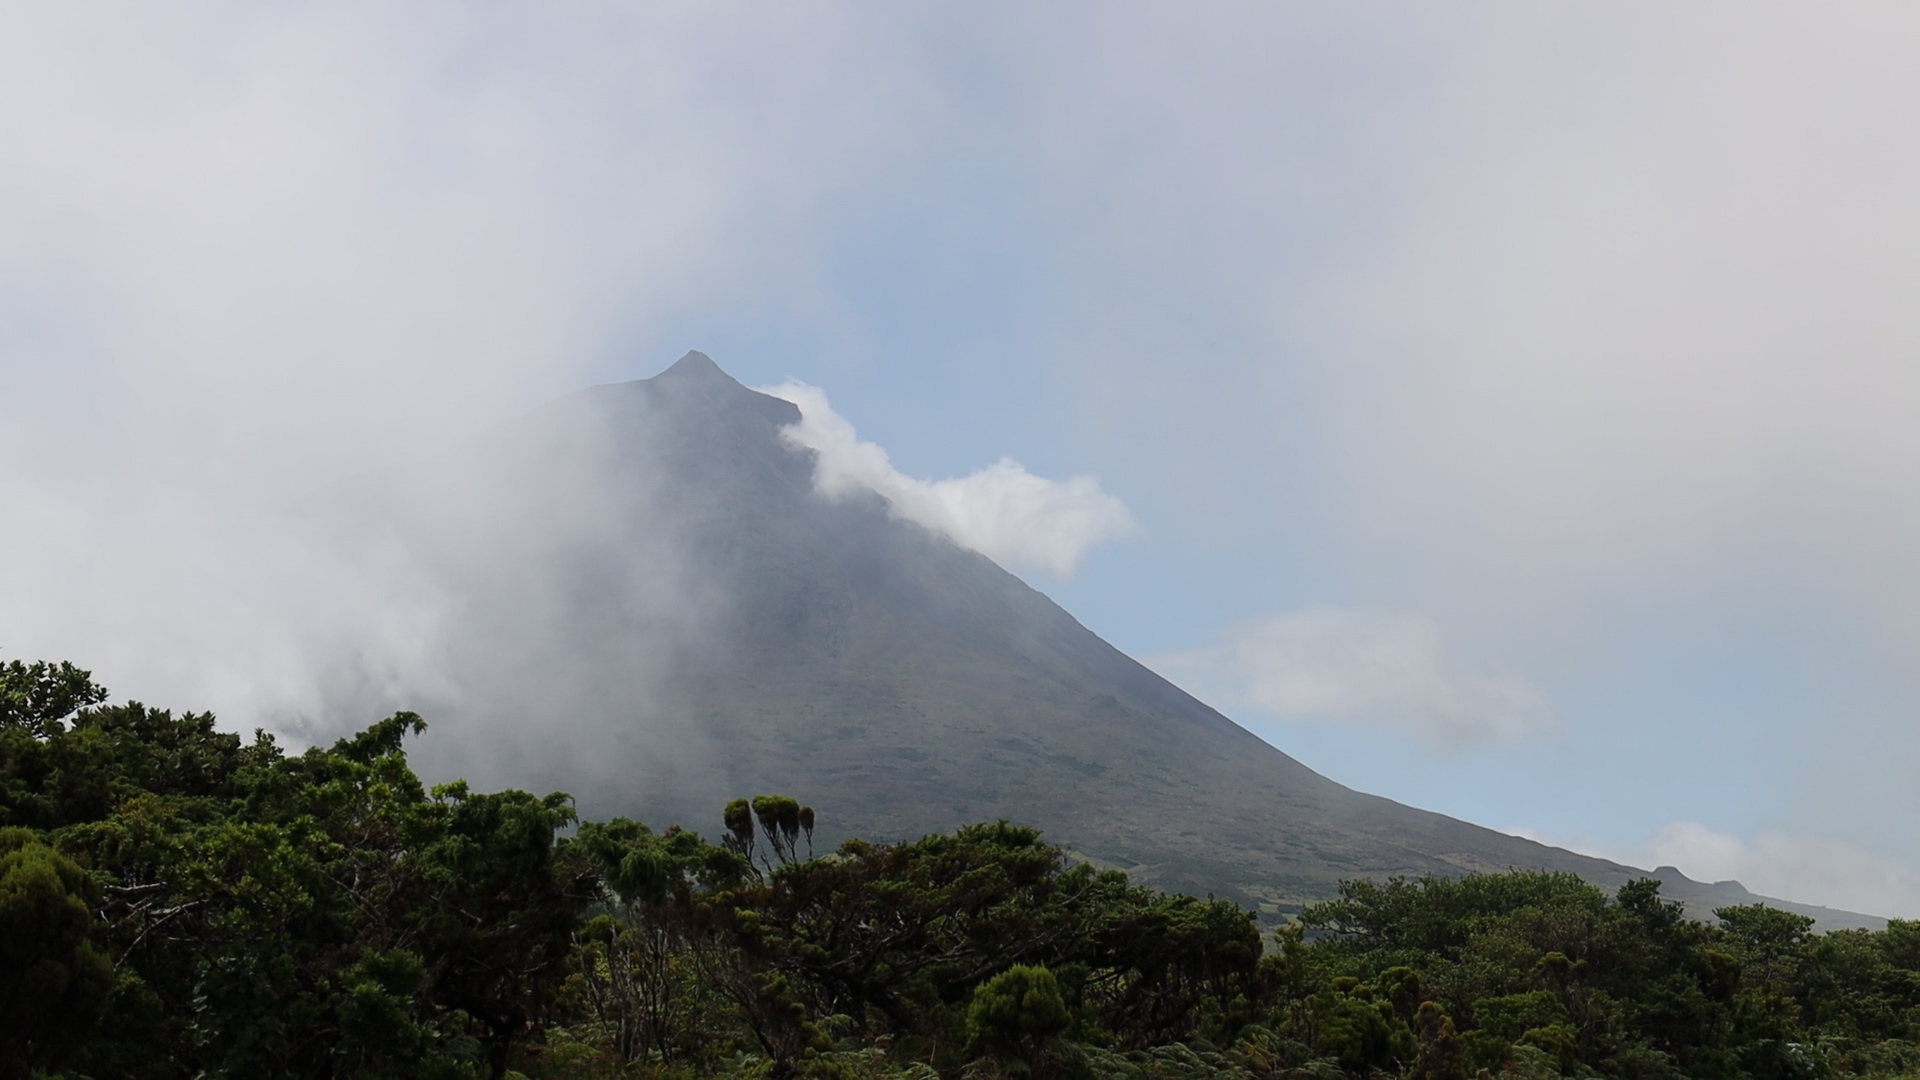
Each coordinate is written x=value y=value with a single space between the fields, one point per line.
x=251 y=256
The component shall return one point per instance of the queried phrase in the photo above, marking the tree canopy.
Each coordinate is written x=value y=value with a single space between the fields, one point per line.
x=177 y=901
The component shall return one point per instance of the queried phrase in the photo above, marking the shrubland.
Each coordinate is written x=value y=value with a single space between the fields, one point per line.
x=177 y=901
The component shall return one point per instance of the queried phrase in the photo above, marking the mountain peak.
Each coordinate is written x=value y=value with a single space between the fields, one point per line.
x=697 y=367
x=696 y=386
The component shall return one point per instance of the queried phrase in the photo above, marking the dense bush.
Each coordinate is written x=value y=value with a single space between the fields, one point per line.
x=178 y=902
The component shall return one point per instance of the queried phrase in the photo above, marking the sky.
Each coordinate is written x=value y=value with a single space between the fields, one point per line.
x=1505 y=408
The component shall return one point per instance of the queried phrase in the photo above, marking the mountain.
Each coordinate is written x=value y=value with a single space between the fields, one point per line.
x=645 y=602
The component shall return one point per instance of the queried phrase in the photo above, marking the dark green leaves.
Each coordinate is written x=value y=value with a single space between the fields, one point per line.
x=1016 y=1014
x=53 y=980
x=37 y=697
x=178 y=902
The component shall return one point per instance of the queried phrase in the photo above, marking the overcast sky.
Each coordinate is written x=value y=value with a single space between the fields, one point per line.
x=1506 y=408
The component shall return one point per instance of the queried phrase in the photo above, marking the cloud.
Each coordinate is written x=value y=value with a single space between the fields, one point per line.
x=1345 y=665
x=1803 y=867
x=1002 y=511
x=246 y=253
x=299 y=236
x=1585 y=332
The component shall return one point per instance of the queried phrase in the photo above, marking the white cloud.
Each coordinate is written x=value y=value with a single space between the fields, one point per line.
x=1002 y=511
x=1342 y=664
x=1801 y=867
x=1586 y=331
x=1605 y=362
x=245 y=251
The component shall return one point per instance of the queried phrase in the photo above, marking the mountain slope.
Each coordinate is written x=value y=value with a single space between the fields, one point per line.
x=828 y=650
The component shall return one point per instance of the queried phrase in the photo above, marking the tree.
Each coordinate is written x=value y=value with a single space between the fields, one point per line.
x=266 y=914
x=37 y=697
x=1017 y=1015
x=635 y=967
x=53 y=980
x=1440 y=1055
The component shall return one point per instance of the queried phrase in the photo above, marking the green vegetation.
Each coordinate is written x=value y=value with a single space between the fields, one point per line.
x=176 y=901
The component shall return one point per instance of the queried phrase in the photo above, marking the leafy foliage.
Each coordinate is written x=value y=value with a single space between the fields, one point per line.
x=1543 y=971
x=176 y=901
x=53 y=979
x=1017 y=1017
x=307 y=915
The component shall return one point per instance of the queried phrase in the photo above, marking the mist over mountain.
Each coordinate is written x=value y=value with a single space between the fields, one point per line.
x=639 y=596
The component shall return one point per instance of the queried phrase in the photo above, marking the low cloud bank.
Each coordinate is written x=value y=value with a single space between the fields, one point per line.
x=1348 y=665
x=1004 y=512
x=1800 y=867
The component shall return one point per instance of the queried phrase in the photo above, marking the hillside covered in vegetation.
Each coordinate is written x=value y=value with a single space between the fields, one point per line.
x=179 y=902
